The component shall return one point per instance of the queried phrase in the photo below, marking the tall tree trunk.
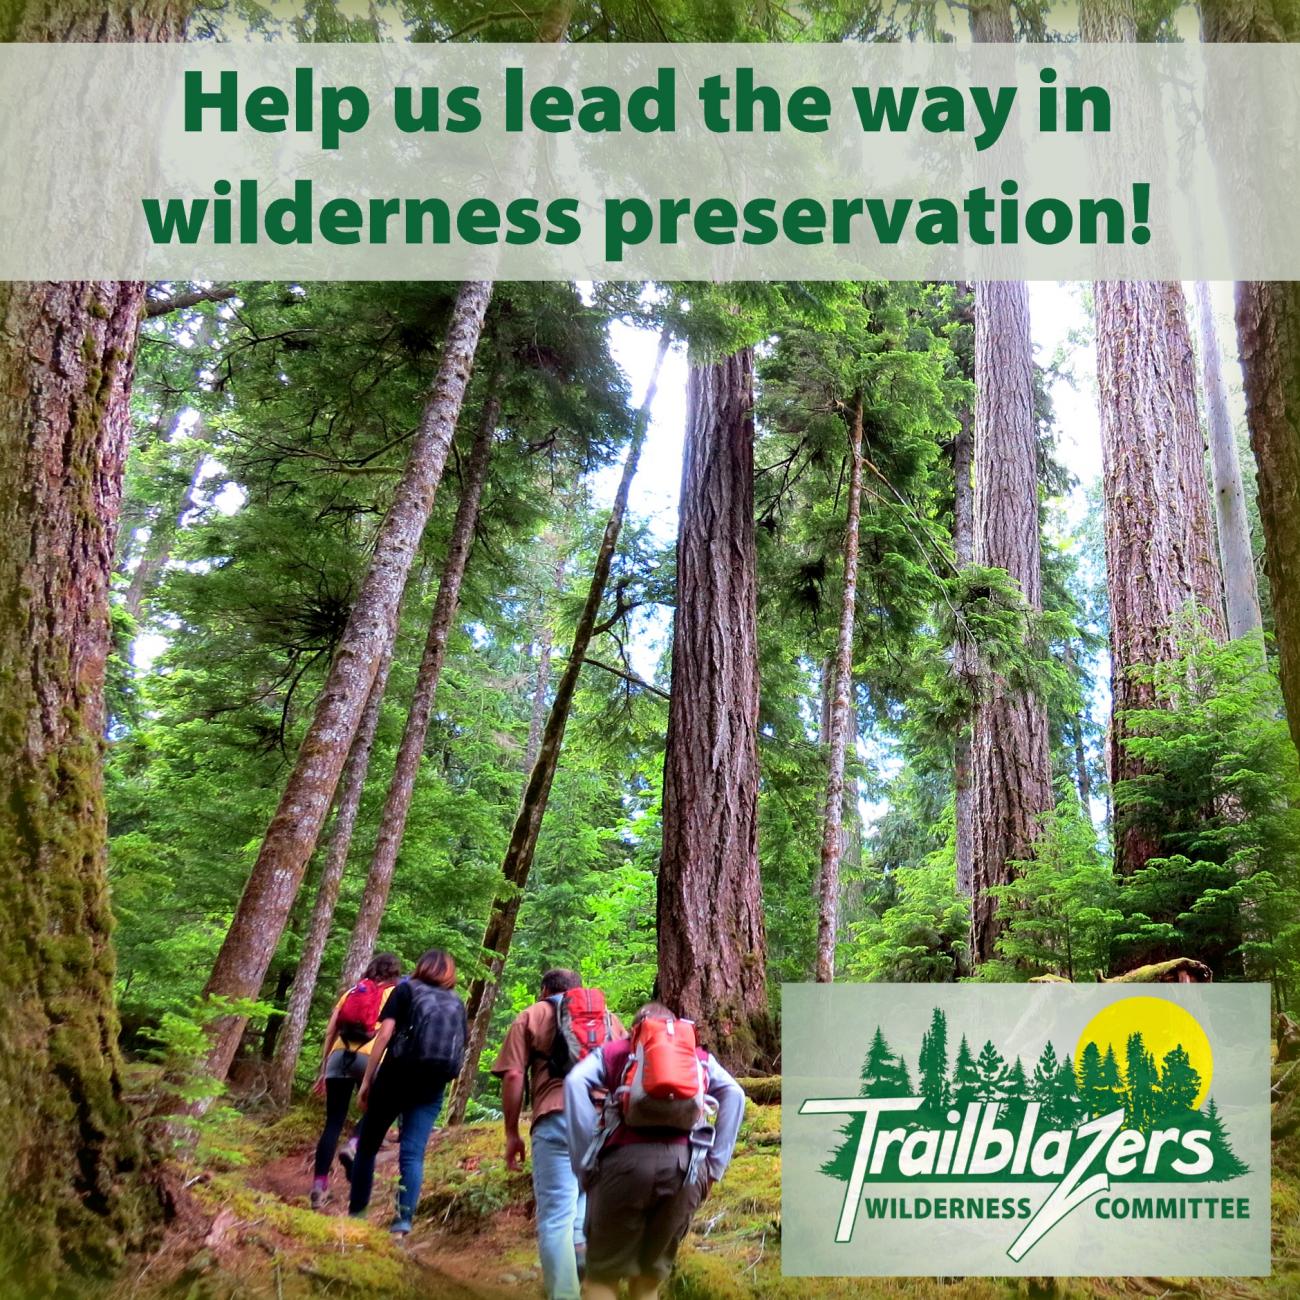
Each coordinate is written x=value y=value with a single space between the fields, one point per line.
x=1010 y=760
x=1158 y=523
x=352 y=786
x=167 y=522
x=1268 y=343
x=291 y=837
x=73 y=1189
x=401 y=788
x=483 y=993
x=162 y=533
x=712 y=945
x=841 y=715
x=73 y=1172
x=520 y=851
x=1082 y=781
x=964 y=662
x=1241 y=592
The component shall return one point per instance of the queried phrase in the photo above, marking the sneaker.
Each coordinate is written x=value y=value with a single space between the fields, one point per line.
x=400 y=1229
x=319 y=1197
x=346 y=1157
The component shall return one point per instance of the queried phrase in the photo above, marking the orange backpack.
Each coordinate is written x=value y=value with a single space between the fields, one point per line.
x=665 y=1083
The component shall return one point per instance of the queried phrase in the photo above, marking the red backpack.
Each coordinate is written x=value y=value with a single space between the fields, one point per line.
x=358 y=1018
x=665 y=1081
x=582 y=1024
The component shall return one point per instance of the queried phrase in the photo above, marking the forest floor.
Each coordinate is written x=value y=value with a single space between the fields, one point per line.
x=245 y=1230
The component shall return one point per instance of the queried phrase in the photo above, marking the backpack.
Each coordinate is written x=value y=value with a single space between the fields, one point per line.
x=358 y=1017
x=434 y=1039
x=582 y=1024
x=665 y=1083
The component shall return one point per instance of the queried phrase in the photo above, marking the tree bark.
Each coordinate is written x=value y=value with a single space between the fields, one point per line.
x=1268 y=343
x=712 y=945
x=520 y=851
x=406 y=767
x=291 y=837
x=74 y=1191
x=483 y=993
x=1010 y=760
x=352 y=785
x=1241 y=591
x=1158 y=523
x=841 y=715
x=963 y=657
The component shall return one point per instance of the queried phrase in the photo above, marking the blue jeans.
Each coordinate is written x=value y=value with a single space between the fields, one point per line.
x=386 y=1105
x=561 y=1207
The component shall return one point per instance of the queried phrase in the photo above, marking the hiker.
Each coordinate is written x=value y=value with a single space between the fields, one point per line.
x=417 y=1052
x=545 y=1041
x=348 y=1040
x=650 y=1154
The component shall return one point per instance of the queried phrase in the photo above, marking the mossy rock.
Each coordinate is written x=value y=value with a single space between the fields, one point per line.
x=762 y=1089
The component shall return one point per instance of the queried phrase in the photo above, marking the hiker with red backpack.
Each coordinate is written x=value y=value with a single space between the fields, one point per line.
x=418 y=1051
x=649 y=1154
x=348 y=1039
x=547 y=1039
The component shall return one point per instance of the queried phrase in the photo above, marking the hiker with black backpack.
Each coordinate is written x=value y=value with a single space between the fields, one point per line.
x=649 y=1153
x=349 y=1037
x=546 y=1040
x=418 y=1051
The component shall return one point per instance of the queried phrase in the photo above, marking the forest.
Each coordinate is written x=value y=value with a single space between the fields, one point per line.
x=698 y=637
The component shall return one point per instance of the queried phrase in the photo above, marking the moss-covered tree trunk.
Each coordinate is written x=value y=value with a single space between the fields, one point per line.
x=74 y=1191
x=406 y=767
x=518 y=860
x=70 y=1162
x=712 y=941
x=290 y=840
x=840 y=714
x=352 y=786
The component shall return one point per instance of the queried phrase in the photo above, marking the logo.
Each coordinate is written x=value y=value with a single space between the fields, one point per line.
x=1040 y=1129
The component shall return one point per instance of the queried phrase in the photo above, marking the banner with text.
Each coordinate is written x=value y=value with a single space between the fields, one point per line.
x=278 y=160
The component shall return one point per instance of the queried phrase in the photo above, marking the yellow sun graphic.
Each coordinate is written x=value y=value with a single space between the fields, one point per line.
x=1163 y=1026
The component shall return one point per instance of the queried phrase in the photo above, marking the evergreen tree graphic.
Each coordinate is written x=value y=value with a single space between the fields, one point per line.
x=1141 y=1092
x=965 y=1078
x=1013 y=1088
x=1179 y=1084
x=1068 y=1109
x=883 y=1074
x=1093 y=1093
x=932 y=1063
x=988 y=1071
x=1227 y=1164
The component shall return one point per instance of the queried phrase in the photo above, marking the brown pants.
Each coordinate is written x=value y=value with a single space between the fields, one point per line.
x=639 y=1208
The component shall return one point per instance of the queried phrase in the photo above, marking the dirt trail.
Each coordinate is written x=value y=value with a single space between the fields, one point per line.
x=481 y=1263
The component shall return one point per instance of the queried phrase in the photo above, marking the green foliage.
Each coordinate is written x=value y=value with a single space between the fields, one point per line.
x=1220 y=793
x=1059 y=912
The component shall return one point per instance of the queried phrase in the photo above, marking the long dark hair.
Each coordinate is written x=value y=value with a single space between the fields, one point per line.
x=384 y=968
x=436 y=967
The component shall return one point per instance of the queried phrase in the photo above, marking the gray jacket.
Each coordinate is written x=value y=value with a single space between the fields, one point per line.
x=584 y=1116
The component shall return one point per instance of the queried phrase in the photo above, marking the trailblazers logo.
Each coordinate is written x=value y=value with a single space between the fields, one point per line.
x=1119 y=1116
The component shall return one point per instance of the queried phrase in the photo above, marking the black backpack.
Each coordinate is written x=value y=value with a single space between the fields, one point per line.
x=434 y=1038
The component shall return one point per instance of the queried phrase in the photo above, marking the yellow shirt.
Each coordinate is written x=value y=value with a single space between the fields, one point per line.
x=338 y=1045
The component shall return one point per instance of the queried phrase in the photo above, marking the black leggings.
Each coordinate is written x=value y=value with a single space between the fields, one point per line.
x=338 y=1097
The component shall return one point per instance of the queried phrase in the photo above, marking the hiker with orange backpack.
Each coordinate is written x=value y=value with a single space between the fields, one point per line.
x=546 y=1040
x=348 y=1040
x=661 y=1138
